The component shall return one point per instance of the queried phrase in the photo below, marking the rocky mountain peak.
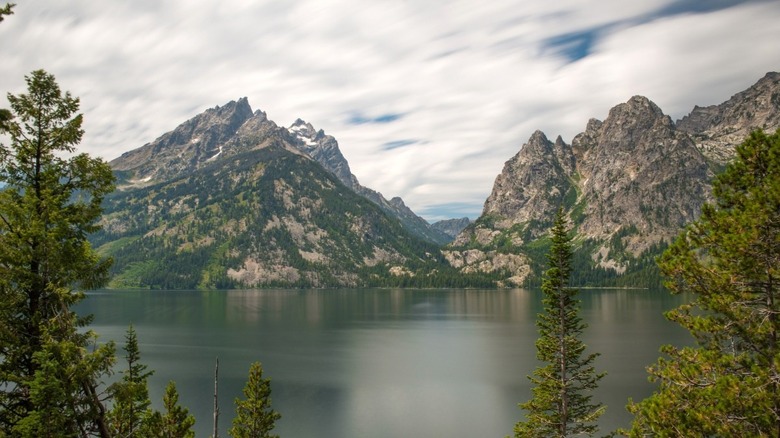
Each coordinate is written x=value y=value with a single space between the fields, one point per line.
x=398 y=202
x=222 y=132
x=717 y=129
x=303 y=129
x=636 y=114
x=635 y=153
x=582 y=141
x=538 y=139
x=194 y=142
x=324 y=149
x=529 y=189
x=627 y=183
x=260 y=115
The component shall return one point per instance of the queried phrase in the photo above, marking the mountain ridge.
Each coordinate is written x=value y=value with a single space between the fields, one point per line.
x=628 y=184
x=717 y=128
x=265 y=217
x=223 y=131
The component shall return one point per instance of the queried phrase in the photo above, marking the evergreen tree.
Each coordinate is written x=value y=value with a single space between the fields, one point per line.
x=50 y=201
x=254 y=416
x=175 y=423
x=8 y=9
x=62 y=390
x=131 y=394
x=561 y=405
x=728 y=384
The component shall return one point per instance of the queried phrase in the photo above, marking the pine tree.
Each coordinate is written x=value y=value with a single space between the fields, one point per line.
x=62 y=390
x=131 y=394
x=8 y=9
x=728 y=384
x=175 y=423
x=254 y=416
x=561 y=405
x=50 y=201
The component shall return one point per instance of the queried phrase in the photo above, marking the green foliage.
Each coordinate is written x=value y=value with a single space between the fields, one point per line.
x=561 y=405
x=6 y=10
x=175 y=423
x=269 y=207
x=62 y=392
x=641 y=271
x=49 y=203
x=130 y=395
x=254 y=416
x=728 y=260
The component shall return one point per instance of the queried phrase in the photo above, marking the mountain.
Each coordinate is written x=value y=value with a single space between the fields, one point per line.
x=324 y=148
x=629 y=184
x=451 y=227
x=717 y=128
x=221 y=132
x=229 y=199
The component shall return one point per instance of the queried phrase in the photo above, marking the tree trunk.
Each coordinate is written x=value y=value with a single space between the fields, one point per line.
x=216 y=399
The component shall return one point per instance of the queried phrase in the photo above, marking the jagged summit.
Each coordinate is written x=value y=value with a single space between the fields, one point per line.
x=628 y=184
x=324 y=149
x=223 y=132
x=230 y=199
x=192 y=143
x=304 y=131
x=717 y=128
x=529 y=188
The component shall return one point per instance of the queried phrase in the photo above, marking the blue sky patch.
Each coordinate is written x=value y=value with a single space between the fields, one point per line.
x=579 y=44
x=360 y=119
x=573 y=46
x=699 y=6
x=390 y=145
x=449 y=210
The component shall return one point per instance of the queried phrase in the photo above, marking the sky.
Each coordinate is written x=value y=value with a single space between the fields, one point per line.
x=427 y=98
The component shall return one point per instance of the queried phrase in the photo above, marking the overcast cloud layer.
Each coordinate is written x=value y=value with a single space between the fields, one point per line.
x=427 y=99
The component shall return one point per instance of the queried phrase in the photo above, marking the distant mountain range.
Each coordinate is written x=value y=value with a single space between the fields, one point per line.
x=230 y=199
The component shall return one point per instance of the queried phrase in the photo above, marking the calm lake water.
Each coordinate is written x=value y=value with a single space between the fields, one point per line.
x=378 y=363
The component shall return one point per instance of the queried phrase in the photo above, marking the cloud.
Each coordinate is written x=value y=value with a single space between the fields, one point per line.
x=427 y=99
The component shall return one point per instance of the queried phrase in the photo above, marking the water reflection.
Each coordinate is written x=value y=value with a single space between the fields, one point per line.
x=354 y=363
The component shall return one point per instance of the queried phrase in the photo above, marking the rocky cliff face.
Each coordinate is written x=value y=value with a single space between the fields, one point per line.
x=324 y=149
x=717 y=128
x=526 y=193
x=628 y=184
x=223 y=132
x=189 y=146
x=636 y=171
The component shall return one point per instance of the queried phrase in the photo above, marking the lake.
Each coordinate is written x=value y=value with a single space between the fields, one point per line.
x=378 y=363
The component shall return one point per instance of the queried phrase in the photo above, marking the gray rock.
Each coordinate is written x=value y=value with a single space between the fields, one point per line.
x=452 y=227
x=717 y=129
